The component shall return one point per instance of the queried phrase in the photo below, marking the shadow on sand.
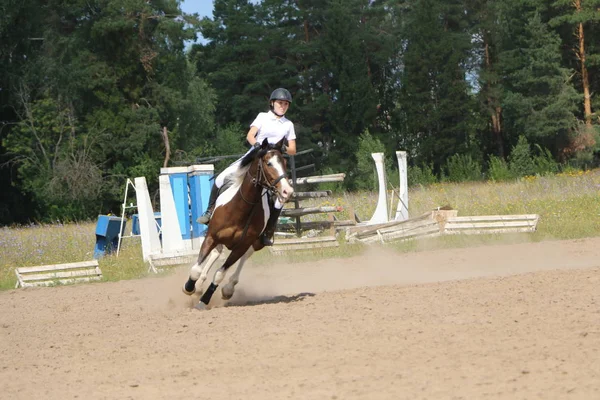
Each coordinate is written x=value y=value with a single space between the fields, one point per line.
x=248 y=301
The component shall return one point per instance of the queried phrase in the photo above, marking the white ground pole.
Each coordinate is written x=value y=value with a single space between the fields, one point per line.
x=171 y=233
x=381 y=212
x=148 y=228
x=402 y=209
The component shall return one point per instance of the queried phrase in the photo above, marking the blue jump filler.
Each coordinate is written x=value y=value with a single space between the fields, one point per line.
x=107 y=235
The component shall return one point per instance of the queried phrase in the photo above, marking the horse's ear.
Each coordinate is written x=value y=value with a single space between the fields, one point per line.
x=264 y=144
x=279 y=145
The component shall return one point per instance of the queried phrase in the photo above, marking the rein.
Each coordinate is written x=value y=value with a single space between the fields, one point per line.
x=259 y=180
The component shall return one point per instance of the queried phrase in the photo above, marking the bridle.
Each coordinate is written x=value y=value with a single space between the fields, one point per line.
x=262 y=180
x=261 y=177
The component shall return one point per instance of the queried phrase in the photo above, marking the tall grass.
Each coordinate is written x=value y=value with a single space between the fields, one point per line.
x=568 y=205
x=27 y=246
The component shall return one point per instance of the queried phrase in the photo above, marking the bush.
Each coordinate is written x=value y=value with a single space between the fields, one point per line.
x=544 y=162
x=462 y=167
x=421 y=175
x=365 y=177
x=520 y=161
x=498 y=170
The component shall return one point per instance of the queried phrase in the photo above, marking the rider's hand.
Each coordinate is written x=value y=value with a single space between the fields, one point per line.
x=256 y=145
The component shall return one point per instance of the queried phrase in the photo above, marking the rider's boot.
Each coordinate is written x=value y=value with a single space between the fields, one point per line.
x=205 y=218
x=267 y=236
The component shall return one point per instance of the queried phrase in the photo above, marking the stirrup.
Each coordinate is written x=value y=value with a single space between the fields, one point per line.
x=205 y=218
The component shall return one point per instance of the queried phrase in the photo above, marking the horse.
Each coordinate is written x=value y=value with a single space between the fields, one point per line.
x=240 y=216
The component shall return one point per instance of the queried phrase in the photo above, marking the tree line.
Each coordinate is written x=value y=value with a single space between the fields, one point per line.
x=96 y=91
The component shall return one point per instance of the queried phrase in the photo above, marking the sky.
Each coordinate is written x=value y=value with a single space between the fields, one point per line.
x=203 y=7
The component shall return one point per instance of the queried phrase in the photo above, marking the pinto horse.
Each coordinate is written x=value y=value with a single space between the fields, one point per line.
x=240 y=216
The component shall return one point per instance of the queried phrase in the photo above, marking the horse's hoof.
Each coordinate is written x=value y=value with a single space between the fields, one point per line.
x=227 y=292
x=184 y=290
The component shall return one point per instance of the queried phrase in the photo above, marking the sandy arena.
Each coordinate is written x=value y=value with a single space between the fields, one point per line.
x=495 y=322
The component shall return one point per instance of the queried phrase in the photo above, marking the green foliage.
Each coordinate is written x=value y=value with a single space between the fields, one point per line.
x=365 y=174
x=87 y=90
x=520 y=161
x=196 y=120
x=55 y=162
x=538 y=101
x=434 y=114
x=544 y=162
x=462 y=168
x=93 y=98
x=498 y=170
x=230 y=140
x=421 y=176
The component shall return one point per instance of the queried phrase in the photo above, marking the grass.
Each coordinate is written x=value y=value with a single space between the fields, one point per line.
x=568 y=205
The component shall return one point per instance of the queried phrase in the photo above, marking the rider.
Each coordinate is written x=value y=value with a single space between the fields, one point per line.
x=273 y=126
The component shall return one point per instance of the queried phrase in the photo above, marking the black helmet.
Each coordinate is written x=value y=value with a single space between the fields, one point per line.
x=281 y=94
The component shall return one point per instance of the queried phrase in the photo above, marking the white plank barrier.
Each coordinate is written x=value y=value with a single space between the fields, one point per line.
x=156 y=262
x=49 y=275
x=491 y=224
x=283 y=245
x=442 y=222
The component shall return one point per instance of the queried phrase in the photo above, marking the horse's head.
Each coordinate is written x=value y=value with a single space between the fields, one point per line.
x=273 y=166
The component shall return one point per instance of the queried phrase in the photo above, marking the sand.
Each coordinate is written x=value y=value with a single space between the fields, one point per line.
x=518 y=321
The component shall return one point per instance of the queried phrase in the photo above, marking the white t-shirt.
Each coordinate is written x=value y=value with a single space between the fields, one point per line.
x=272 y=128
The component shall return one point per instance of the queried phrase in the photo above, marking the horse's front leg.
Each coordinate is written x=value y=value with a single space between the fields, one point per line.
x=229 y=288
x=220 y=273
x=206 y=249
x=214 y=255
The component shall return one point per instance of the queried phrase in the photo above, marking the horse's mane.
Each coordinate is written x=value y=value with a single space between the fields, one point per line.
x=247 y=160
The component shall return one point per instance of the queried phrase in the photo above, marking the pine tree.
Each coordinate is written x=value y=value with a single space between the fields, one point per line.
x=538 y=101
x=435 y=106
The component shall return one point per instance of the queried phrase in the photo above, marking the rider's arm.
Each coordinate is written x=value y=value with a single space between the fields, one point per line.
x=251 y=136
x=291 y=147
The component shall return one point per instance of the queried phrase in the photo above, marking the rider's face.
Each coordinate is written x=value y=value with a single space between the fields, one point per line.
x=281 y=106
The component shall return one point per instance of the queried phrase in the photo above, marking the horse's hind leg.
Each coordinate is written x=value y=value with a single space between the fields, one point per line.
x=229 y=288
x=196 y=272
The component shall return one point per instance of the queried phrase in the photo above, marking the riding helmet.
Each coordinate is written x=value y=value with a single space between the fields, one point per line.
x=281 y=94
